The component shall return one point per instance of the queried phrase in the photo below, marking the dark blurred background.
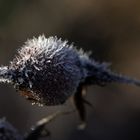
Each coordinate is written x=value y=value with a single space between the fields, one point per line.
x=111 y=30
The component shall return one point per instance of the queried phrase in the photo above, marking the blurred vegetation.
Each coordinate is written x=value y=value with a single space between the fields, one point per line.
x=110 y=29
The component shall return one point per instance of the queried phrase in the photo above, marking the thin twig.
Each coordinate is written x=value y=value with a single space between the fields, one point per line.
x=36 y=131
